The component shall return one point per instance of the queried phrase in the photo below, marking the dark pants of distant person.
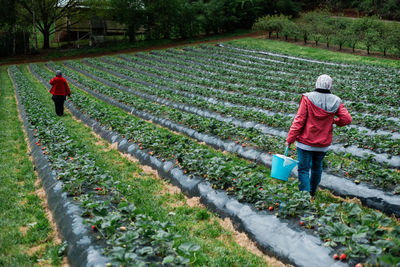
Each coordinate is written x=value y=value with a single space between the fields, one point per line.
x=59 y=104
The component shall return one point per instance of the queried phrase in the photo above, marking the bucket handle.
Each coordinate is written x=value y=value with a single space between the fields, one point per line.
x=286 y=151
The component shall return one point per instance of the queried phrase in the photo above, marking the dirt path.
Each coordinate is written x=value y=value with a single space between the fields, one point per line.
x=35 y=59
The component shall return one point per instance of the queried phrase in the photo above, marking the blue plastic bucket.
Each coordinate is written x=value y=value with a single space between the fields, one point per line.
x=282 y=166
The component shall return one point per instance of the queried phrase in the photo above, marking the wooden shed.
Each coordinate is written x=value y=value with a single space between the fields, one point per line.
x=94 y=28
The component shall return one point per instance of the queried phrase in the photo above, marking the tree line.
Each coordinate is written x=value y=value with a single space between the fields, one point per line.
x=20 y=20
x=386 y=9
x=318 y=26
x=170 y=19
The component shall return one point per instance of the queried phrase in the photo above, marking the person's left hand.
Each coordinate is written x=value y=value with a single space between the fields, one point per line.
x=287 y=144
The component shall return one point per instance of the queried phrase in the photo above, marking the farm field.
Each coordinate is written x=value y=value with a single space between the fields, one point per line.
x=210 y=117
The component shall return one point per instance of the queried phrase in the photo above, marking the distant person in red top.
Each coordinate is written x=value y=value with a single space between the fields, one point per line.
x=312 y=130
x=59 y=90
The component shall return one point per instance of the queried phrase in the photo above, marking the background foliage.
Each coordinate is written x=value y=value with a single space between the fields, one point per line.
x=180 y=19
x=368 y=32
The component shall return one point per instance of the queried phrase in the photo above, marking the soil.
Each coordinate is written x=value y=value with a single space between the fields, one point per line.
x=244 y=241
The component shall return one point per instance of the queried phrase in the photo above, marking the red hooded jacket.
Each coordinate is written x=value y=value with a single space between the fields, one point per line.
x=59 y=86
x=313 y=125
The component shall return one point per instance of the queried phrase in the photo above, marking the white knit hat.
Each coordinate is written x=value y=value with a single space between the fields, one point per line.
x=324 y=82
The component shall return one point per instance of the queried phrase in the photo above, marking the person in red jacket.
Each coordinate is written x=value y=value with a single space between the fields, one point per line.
x=60 y=90
x=312 y=129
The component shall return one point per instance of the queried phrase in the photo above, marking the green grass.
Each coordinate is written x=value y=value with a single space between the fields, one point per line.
x=26 y=234
x=314 y=53
x=151 y=197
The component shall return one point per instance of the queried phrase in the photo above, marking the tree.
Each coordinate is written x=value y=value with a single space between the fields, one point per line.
x=161 y=15
x=391 y=10
x=222 y=15
x=396 y=37
x=47 y=12
x=371 y=38
x=271 y=24
x=188 y=22
x=315 y=21
x=352 y=38
x=340 y=35
x=8 y=17
x=386 y=39
x=8 y=23
x=289 y=28
x=16 y=32
x=263 y=24
x=327 y=29
x=288 y=7
x=366 y=29
x=307 y=28
x=128 y=12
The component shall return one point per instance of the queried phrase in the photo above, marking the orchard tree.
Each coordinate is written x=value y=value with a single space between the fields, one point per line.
x=316 y=21
x=305 y=31
x=371 y=38
x=290 y=29
x=352 y=38
x=386 y=38
x=340 y=31
x=327 y=29
x=45 y=13
x=396 y=37
x=271 y=24
x=310 y=26
x=366 y=30
x=264 y=24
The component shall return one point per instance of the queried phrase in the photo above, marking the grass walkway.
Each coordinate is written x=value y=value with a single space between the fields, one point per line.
x=312 y=52
x=26 y=236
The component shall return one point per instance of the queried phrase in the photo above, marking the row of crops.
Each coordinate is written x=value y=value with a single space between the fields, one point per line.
x=112 y=223
x=261 y=128
x=226 y=99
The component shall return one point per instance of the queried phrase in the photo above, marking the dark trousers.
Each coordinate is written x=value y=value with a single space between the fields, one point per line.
x=59 y=104
x=309 y=160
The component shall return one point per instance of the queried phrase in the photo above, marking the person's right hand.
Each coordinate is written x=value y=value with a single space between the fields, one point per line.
x=287 y=144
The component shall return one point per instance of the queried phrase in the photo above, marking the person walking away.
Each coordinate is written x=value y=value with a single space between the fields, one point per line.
x=60 y=90
x=312 y=129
